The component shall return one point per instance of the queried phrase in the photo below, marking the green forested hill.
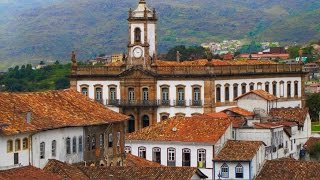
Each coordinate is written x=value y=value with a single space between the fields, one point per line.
x=34 y=30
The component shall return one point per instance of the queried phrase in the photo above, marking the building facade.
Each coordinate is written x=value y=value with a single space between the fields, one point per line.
x=150 y=90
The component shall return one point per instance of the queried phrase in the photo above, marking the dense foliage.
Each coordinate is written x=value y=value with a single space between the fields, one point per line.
x=315 y=151
x=313 y=103
x=25 y=78
x=188 y=53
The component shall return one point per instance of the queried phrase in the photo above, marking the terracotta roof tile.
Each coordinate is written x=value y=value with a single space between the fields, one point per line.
x=203 y=129
x=27 y=173
x=288 y=169
x=52 y=109
x=135 y=161
x=265 y=95
x=267 y=125
x=217 y=115
x=240 y=111
x=237 y=122
x=297 y=115
x=310 y=142
x=238 y=150
x=121 y=173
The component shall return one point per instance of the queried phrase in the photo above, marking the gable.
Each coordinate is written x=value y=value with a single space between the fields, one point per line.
x=137 y=72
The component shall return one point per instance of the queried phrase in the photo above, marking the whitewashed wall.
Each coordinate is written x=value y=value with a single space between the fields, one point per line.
x=60 y=135
x=151 y=38
x=7 y=159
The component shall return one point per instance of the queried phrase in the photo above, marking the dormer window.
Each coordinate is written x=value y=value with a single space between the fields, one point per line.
x=137 y=35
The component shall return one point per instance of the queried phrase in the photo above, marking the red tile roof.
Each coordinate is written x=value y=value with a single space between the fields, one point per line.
x=263 y=94
x=288 y=169
x=267 y=125
x=135 y=161
x=50 y=110
x=240 y=111
x=237 y=122
x=217 y=115
x=70 y=172
x=27 y=173
x=297 y=115
x=203 y=129
x=239 y=150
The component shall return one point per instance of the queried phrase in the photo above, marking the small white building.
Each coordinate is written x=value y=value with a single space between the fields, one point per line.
x=36 y=127
x=182 y=141
x=239 y=160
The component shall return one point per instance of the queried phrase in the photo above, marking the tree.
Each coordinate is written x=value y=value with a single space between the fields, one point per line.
x=190 y=53
x=62 y=83
x=314 y=150
x=313 y=103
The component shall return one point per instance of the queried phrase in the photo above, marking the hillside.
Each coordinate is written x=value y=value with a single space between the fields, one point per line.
x=34 y=30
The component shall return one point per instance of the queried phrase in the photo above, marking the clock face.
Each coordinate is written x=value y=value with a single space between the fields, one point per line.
x=137 y=52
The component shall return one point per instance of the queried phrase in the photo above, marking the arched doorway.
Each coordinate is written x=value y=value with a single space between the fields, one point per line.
x=145 y=121
x=131 y=124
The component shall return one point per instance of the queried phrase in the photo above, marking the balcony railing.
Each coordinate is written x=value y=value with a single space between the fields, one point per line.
x=139 y=103
x=180 y=102
x=171 y=163
x=186 y=163
x=201 y=164
x=165 y=102
x=195 y=102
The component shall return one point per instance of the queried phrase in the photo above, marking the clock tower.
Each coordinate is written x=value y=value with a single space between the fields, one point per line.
x=142 y=35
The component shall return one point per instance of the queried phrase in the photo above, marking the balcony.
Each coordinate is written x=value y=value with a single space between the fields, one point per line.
x=164 y=102
x=180 y=102
x=186 y=163
x=133 y=103
x=196 y=103
x=171 y=163
x=201 y=164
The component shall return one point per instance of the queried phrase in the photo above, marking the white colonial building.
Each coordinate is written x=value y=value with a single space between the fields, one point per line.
x=149 y=90
x=182 y=141
x=62 y=125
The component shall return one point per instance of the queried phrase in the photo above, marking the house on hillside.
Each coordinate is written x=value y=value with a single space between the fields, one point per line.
x=239 y=160
x=62 y=125
x=182 y=141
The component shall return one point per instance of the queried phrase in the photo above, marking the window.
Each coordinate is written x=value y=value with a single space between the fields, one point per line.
x=145 y=94
x=164 y=116
x=274 y=88
x=218 y=93
x=171 y=157
x=112 y=95
x=131 y=124
x=180 y=95
x=243 y=88
x=137 y=35
x=266 y=87
x=165 y=96
x=17 y=145
x=251 y=86
x=281 y=88
x=201 y=158
x=226 y=95
x=54 y=148
x=80 y=144
x=88 y=143
x=186 y=156
x=42 y=150
x=25 y=143
x=127 y=149
x=156 y=155
x=142 y=152
x=239 y=171
x=68 y=146
x=296 y=89
x=74 y=145
x=288 y=89
x=224 y=171
x=118 y=138
x=9 y=146
x=131 y=94
x=84 y=91
x=93 y=142
x=101 y=140
x=110 y=140
x=259 y=85
x=196 y=96
x=235 y=91
x=145 y=121
x=98 y=95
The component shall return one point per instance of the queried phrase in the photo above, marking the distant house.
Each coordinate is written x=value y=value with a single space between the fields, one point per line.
x=63 y=125
x=182 y=141
x=239 y=160
x=28 y=173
